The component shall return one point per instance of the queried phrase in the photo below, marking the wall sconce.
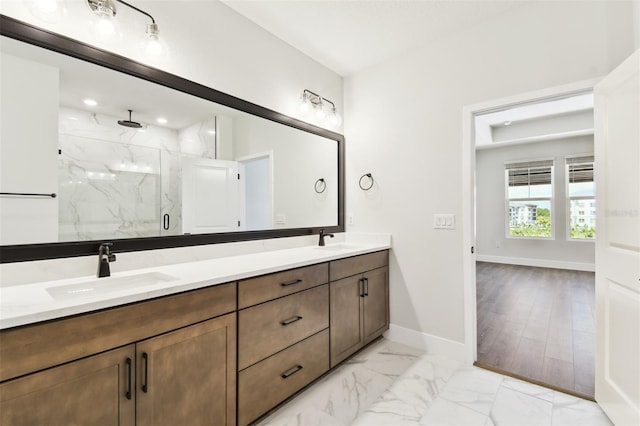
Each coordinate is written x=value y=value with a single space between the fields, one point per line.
x=310 y=100
x=106 y=12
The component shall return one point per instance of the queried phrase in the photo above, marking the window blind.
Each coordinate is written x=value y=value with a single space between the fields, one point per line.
x=530 y=173
x=580 y=169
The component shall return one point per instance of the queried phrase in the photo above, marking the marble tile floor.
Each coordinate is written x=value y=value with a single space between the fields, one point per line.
x=392 y=384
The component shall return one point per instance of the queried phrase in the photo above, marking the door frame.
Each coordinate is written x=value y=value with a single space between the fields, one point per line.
x=468 y=192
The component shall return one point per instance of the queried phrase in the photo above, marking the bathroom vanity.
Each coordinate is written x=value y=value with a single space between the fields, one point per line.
x=226 y=351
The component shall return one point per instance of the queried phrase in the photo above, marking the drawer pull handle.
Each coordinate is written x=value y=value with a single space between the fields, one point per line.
x=291 y=372
x=128 y=393
x=294 y=282
x=291 y=320
x=145 y=359
x=366 y=286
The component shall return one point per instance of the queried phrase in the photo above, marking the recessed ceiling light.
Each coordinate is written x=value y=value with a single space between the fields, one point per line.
x=507 y=123
x=161 y=120
x=90 y=102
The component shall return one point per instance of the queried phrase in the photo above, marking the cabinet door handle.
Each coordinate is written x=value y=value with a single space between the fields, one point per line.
x=294 y=282
x=165 y=222
x=361 y=287
x=128 y=393
x=291 y=320
x=290 y=372
x=366 y=286
x=145 y=382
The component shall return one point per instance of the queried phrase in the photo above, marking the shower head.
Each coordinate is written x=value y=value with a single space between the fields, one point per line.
x=129 y=123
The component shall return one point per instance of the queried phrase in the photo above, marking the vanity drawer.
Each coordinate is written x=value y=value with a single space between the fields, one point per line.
x=343 y=268
x=268 y=328
x=266 y=384
x=268 y=287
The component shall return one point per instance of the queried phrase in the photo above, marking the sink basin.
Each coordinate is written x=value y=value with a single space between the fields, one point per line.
x=336 y=247
x=107 y=285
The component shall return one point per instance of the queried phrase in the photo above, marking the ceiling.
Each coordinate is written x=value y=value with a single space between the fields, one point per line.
x=347 y=36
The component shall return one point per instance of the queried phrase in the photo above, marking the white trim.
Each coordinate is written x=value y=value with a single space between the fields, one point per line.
x=542 y=263
x=468 y=191
x=427 y=342
x=534 y=139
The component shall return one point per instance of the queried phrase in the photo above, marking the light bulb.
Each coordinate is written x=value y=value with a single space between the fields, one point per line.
x=105 y=26
x=335 y=118
x=320 y=115
x=305 y=104
x=153 y=47
x=46 y=10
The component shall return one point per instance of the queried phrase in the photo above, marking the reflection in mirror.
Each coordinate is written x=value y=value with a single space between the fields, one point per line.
x=176 y=164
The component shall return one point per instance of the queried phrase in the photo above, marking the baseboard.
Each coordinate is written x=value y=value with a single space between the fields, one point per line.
x=427 y=342
x=542 y=263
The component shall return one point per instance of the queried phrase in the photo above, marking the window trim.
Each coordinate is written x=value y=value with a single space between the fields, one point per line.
x=551 y=199
x=569 y=198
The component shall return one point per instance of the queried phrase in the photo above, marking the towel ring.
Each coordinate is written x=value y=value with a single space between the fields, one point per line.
x=368 y=187
x=321 y=185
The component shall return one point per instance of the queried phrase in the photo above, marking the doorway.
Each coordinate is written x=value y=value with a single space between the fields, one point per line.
x=257 y=188
x=497 y=277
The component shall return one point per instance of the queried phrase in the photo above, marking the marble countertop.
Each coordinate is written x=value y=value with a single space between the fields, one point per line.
x=41 y=301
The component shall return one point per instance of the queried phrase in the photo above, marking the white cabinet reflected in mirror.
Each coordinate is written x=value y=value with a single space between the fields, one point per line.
x=175 y=165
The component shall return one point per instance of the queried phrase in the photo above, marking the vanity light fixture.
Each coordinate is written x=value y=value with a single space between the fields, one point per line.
x=310 y=100
x=106 y=12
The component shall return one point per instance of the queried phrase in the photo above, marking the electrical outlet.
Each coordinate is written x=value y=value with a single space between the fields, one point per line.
x=498 y=244
x=350 y=219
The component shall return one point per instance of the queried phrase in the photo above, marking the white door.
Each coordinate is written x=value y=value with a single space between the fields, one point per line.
x=258 y=193
x=209 y=196
x=617 y=149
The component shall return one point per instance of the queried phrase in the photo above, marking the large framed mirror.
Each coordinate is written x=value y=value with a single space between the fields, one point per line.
x=96 y=147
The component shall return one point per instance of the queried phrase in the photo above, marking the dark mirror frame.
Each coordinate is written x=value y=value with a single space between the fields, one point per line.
x=27 y=33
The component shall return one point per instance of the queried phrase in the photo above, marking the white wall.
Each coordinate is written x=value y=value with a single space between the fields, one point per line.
x=209 y=43
x=551 y=125
x=28 y=89
x=490 y=207
x=403 y=123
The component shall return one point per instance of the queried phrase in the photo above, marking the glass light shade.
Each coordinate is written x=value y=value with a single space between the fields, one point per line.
x=305 y=105
x=46 y=10
x=320 y=114
x=335 y=119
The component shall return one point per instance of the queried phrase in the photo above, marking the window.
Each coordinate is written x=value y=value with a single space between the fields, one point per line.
x=529 y=198
x=581 y=194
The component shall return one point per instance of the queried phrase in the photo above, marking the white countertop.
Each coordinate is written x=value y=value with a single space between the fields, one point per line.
x=31 y=303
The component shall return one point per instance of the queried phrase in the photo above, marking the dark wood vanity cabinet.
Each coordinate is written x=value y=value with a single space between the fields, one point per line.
x=359 y=300
x=220 y=355
x=177 y=365
x=98 y=390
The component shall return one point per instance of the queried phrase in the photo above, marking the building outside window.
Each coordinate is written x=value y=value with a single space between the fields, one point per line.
x=529 y=199
x=581 y=197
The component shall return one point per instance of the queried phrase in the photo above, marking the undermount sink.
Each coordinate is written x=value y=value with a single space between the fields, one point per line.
x=336 y=247
x=107 y=285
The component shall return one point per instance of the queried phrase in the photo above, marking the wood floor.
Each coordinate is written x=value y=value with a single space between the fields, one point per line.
x=538 y=323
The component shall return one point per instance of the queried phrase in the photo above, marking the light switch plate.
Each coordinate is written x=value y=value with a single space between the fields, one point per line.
x=444 y=221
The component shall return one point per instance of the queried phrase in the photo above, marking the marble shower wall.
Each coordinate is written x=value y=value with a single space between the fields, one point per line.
x=119 y=182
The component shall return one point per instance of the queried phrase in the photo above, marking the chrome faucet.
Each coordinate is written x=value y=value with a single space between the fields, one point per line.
x=322 y=235
x=104 y=257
